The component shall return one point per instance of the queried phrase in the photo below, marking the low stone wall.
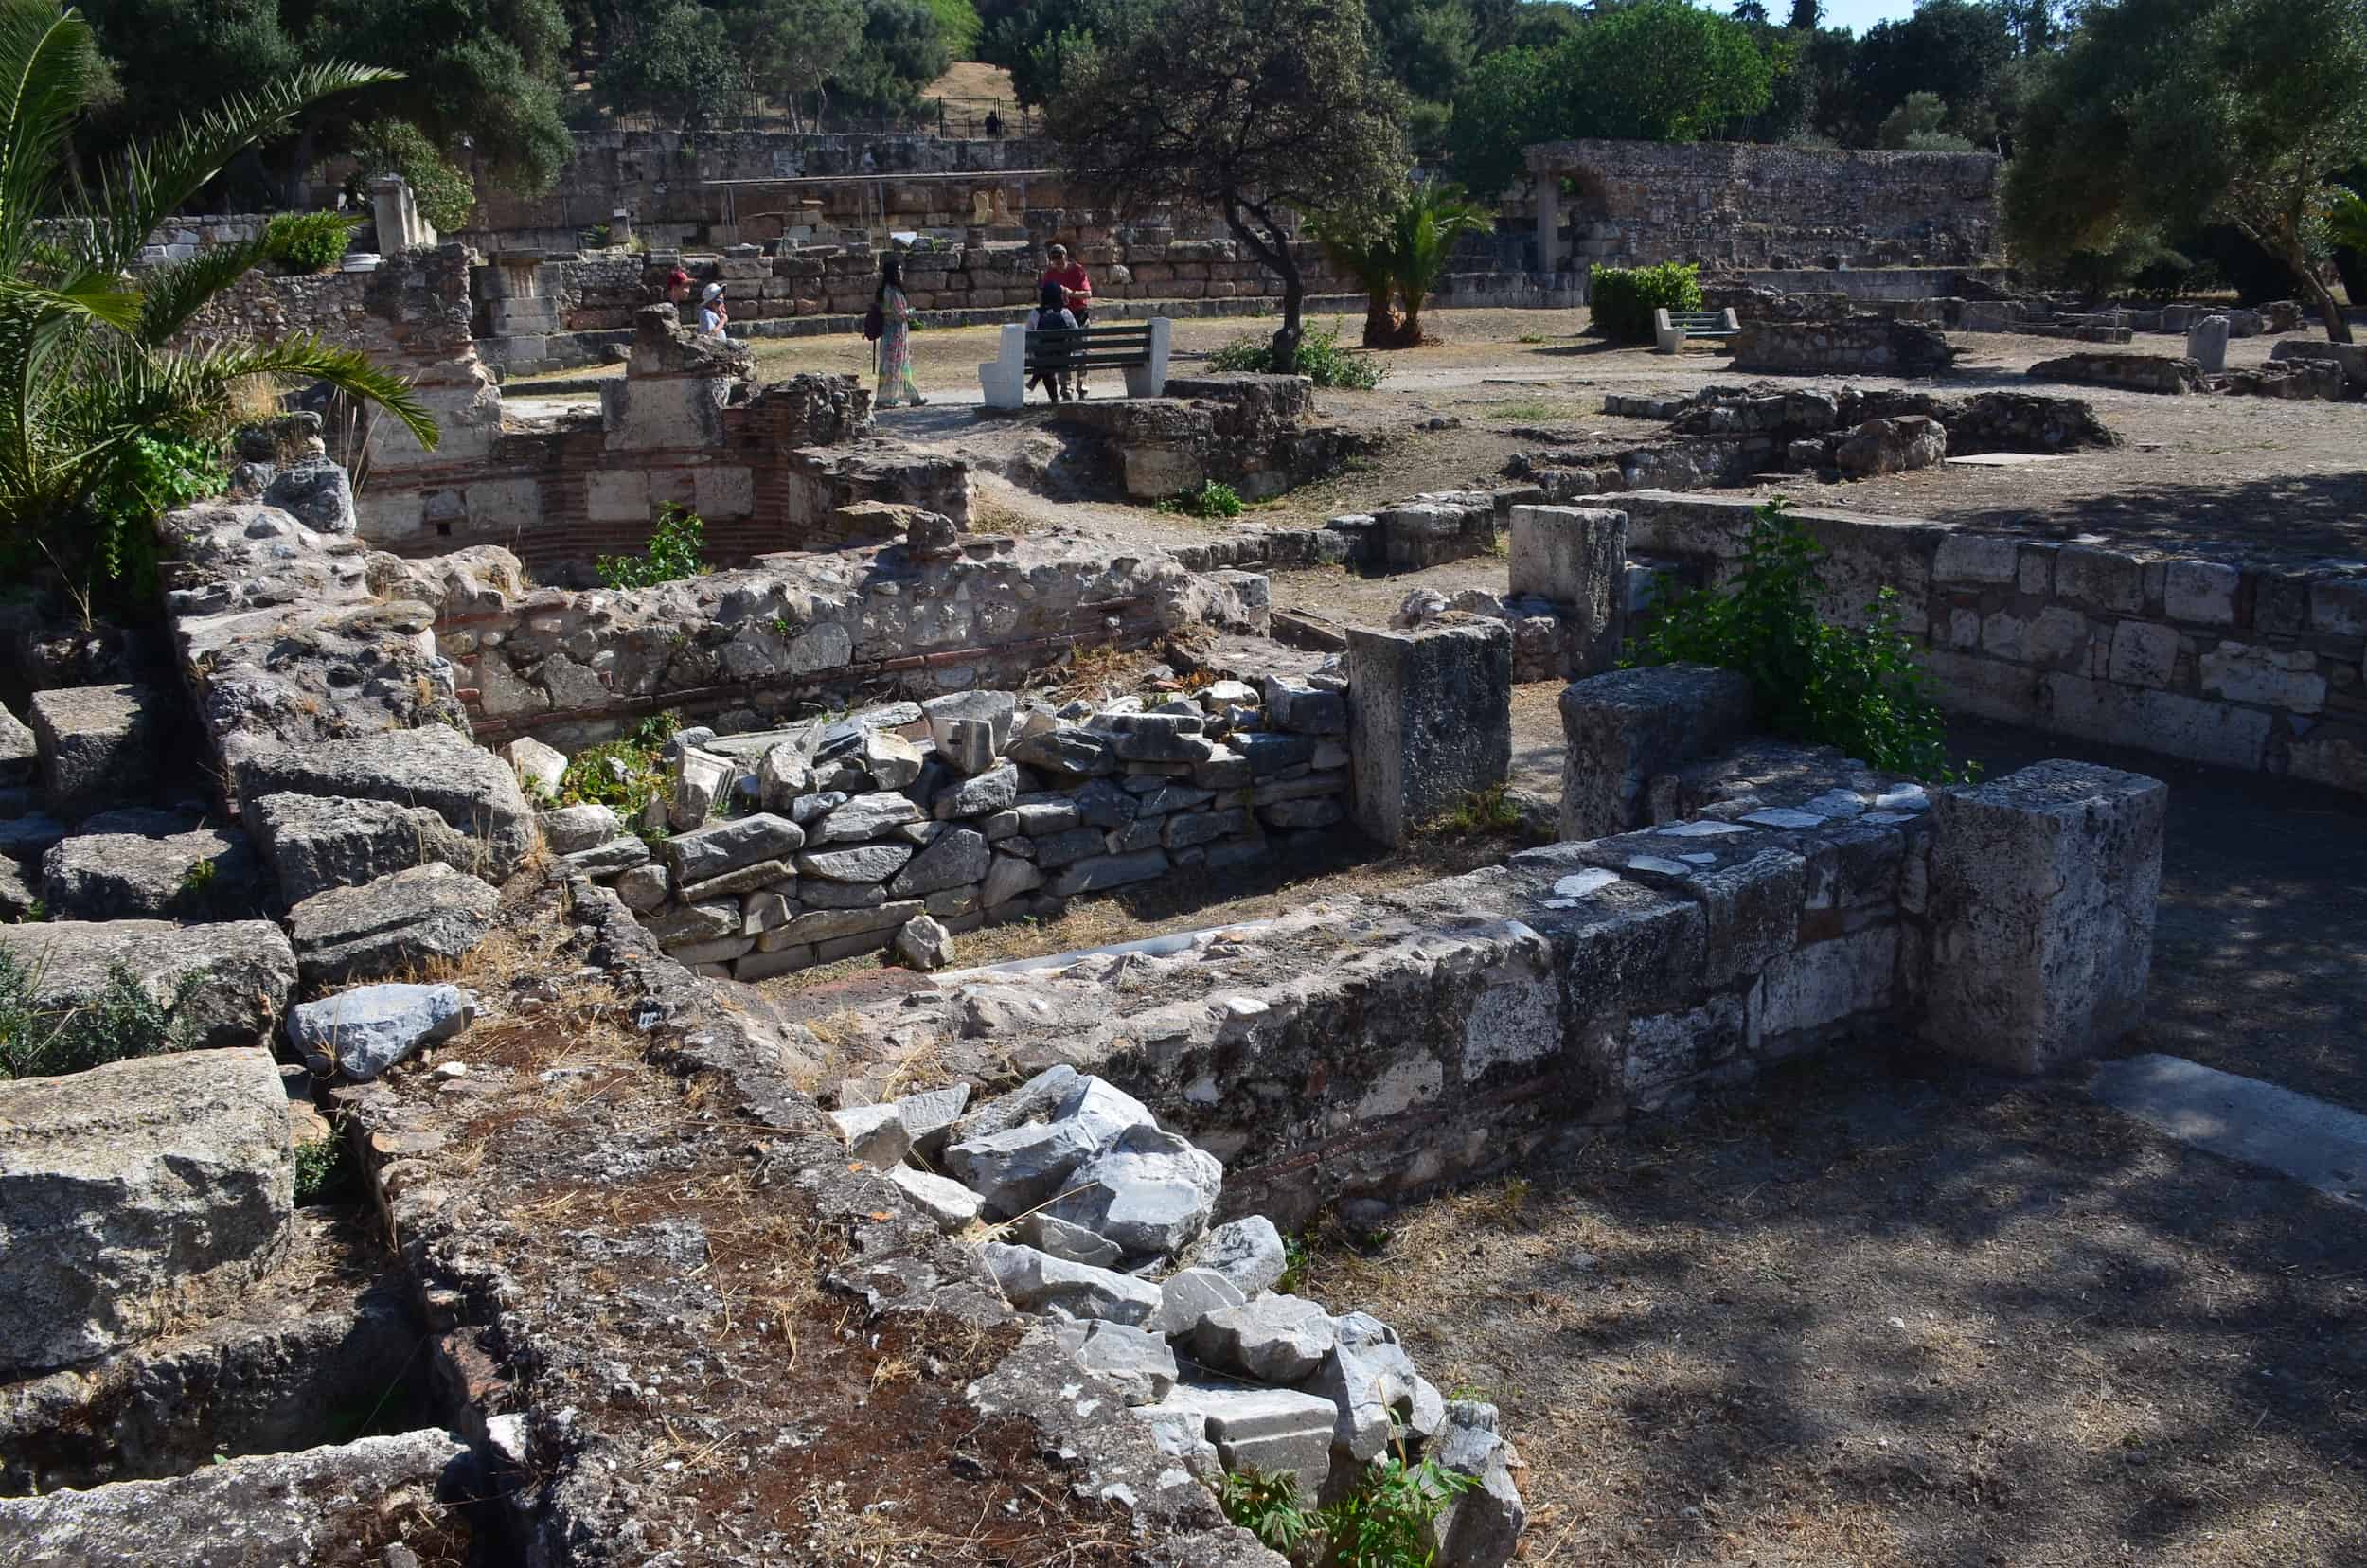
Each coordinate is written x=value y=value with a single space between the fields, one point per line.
x=2254 y=667
x=1852 y=343
x=2131 y=372
x=747 y=648
x=1248 y=431
x=912 y=824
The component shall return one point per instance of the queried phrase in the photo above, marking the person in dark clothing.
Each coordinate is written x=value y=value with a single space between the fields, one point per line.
x=1050 y=312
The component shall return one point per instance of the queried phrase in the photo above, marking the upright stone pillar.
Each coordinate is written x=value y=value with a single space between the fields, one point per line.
x=1576 y=560
x=400 y=226
x=1430 y=721
x=1548 y=224
x=620 y=226
x=2041 y=898
x=2206 y=342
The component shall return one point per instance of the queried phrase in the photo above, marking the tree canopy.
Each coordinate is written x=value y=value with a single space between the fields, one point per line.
x=1259 y=110
x=2165 y=116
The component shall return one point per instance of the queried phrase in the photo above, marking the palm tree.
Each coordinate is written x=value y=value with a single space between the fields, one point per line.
x=90 y=374
x=1404 y=257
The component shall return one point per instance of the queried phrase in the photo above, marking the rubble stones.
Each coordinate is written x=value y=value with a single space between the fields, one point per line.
x=942 y=1199
x=245 y=970
x=1063 y=1239
x=476 y=794
x=1188 y=1296
x=98 y=746
x=1023 y=1165
x=536 y=764
x=1139 y=1364
x=571 y=828
x=1149 y=1191
x=870 y=863
x=363 y=1031
x=923 y=943
x=1278 y=1430
x=866 y=816
x=990 y=789
x=392 y=924
x=19 y=755
x=1248 y=1253
x=709 y=852
x=133 y=1191
x=1035 y=1281
x=1480 y=1527
x=204 y=874
x=313 y=843
x=1371 y=1379
x=1275 y=1339
x=954 y=859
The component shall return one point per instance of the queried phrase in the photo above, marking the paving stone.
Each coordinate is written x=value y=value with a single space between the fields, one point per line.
x=1036 y=1281
x=1275 y=1339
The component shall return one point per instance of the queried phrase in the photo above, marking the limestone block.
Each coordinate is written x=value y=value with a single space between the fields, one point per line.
x=1273 y=1339
x=2100 y=579
x=616 y=495
x=724 y=491
x=136 y=1191
x=2206 y=344
x=1034 y=1280
x=571 y=828
x=1823 y=984
x=1138 y=1363
x=1575 y=558
x=392 y=924
x=205 y=874
x=1190 y=1294
x=1275 y=1430
x=1623 y=728
x=2200 y=592
x=1481 y=1528
x=2195 y=728
x=1430 y=721
x=711 y=851
x=867 y=816
x=2143 y=653
x=365 y=1030
x=2041 y=898
x=1023 y=1164
x=20 y=757
x=1074 y=1243
x=245 y=970
x=98 y=746
x=2275 y=677
x=1974 y=558
x=944 y=1200
x=1247 y=1251
x=507 y=504
x=1150 y=1192
x=474 y=790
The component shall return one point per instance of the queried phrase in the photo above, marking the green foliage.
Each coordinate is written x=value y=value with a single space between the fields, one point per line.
x=1488 y=811
x=443 y=192
x=1382 y=1524
x=900 y=51
x=309 y=242
x=1213 y=499
x=680 y=65
x=88 y=371
x=1917 y=114
x=1405 y=254
x=1320 y=359
x=621 y=773
x=677 y=542
x=1660 y=70
x=122 y=1021
x=1509 y=103
x=1955 y=50
x=1621 y=299
x=324 y=1172
x=148 y=476
x=2166 y=116
x=957 y=27
x=1859 y=690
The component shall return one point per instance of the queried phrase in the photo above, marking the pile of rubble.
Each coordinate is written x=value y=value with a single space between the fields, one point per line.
x=908 y=824
x=1089 y=1214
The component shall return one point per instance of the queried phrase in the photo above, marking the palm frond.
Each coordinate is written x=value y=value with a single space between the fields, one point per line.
x=47 y=60
x=204 y=376
x=85 y=295
x=171 y=294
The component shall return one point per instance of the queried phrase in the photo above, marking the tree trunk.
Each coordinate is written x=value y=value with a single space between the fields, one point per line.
x=1272 y=248
x=2288 y=249
x=2338 y=325
x=1380 y=322
x=1410 y=337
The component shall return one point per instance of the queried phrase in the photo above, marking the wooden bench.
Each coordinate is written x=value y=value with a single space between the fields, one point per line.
x=1139 y=348
x=1670 y=328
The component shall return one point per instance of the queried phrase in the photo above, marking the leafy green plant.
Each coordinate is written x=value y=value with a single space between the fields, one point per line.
x=198 y=876
x=622 y=774
x=1859 y=689
x=677 y=544
x=1382 y=1523
x=1213 y=499
x=1320 y=359
x=1622 y=299
x=88 y=359
x=322 y=1172
x=1488 y=811
x=440 y=189
x=123 y=1020
x=1265 y=1506
x=309 y=242
x=152 y=475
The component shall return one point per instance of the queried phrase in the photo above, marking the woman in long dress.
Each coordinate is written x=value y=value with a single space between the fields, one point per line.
x=896 y=339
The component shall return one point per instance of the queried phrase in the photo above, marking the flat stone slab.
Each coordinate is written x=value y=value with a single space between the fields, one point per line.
x=2008 y=459
x=2319 y=1145
x=391 y=925
x=474 y=792
x=245 y=970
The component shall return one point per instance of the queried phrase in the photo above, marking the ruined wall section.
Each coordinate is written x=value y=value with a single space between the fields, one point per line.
x=2242 y=664
x=1747 y=204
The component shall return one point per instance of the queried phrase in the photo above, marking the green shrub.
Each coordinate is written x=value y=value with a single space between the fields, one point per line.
x=442 y=191
x=1321 y=359
x=1213 y=499
x=1859 y=690
x=676 y=545
x=1622 y=299
x=309 y=242
x=150 y=475
x=323 y=1173
x=622 y=774
x=123 y=1020
x=1380 y=1525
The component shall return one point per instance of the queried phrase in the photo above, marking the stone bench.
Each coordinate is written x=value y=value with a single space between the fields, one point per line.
x=1138 y=349
x=1671 y=329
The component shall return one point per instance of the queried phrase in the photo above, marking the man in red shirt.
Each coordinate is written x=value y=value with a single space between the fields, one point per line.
x=1075 y=287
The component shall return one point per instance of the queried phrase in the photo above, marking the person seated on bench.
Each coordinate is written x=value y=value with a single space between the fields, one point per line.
x=1076 y=292
x=1051 y=312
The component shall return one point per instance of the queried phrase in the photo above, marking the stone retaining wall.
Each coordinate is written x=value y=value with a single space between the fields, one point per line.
x=2256 y=666
x=1874 y=343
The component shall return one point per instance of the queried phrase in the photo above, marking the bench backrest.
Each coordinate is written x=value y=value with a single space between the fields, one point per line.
x=1697 y=318
x=1090 y=348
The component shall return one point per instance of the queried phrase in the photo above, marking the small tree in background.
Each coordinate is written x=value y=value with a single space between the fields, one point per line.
x=1404 y=255
x=1259 y=110
x=2169 y=115
x=444 y=194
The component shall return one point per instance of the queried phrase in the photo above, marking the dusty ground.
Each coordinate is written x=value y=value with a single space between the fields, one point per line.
x=2249 y=473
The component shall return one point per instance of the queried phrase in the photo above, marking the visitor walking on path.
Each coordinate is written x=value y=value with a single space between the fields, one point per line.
x=894 y=313
x=1076 y=289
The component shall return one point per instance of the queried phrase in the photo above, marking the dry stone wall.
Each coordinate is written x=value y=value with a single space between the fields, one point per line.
x=2255 y=666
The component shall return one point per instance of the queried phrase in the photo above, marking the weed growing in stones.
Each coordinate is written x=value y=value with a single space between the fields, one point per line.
x=1859 y=689
x=676 y=550
x=1213 y=499
x=622 y=774
x=1488 y=811
x=1265 y=1506
x=323 y=1174
x=1380 y=1525
x=123 y=1020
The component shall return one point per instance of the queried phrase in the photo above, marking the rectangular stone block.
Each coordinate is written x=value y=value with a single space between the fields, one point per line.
x=2200 y=592
x=1975 y=557
x=616 y=495
x=2041 y=898
x=723 y=491
x=2201 y=731
x=1575 y=558
x=1430 y=721
x=1624 y=727
x=98 y=747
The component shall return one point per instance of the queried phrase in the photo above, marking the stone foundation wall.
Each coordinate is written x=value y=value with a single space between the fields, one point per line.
x=2256 y=666
x=1873 y=343
x=1747 y=204
x=2167 y=373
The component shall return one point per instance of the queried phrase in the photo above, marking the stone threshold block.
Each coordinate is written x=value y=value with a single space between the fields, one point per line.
x=2043 y=892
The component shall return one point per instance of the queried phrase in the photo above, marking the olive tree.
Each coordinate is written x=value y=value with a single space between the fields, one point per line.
x=2167 y=115
x=1262 y=110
